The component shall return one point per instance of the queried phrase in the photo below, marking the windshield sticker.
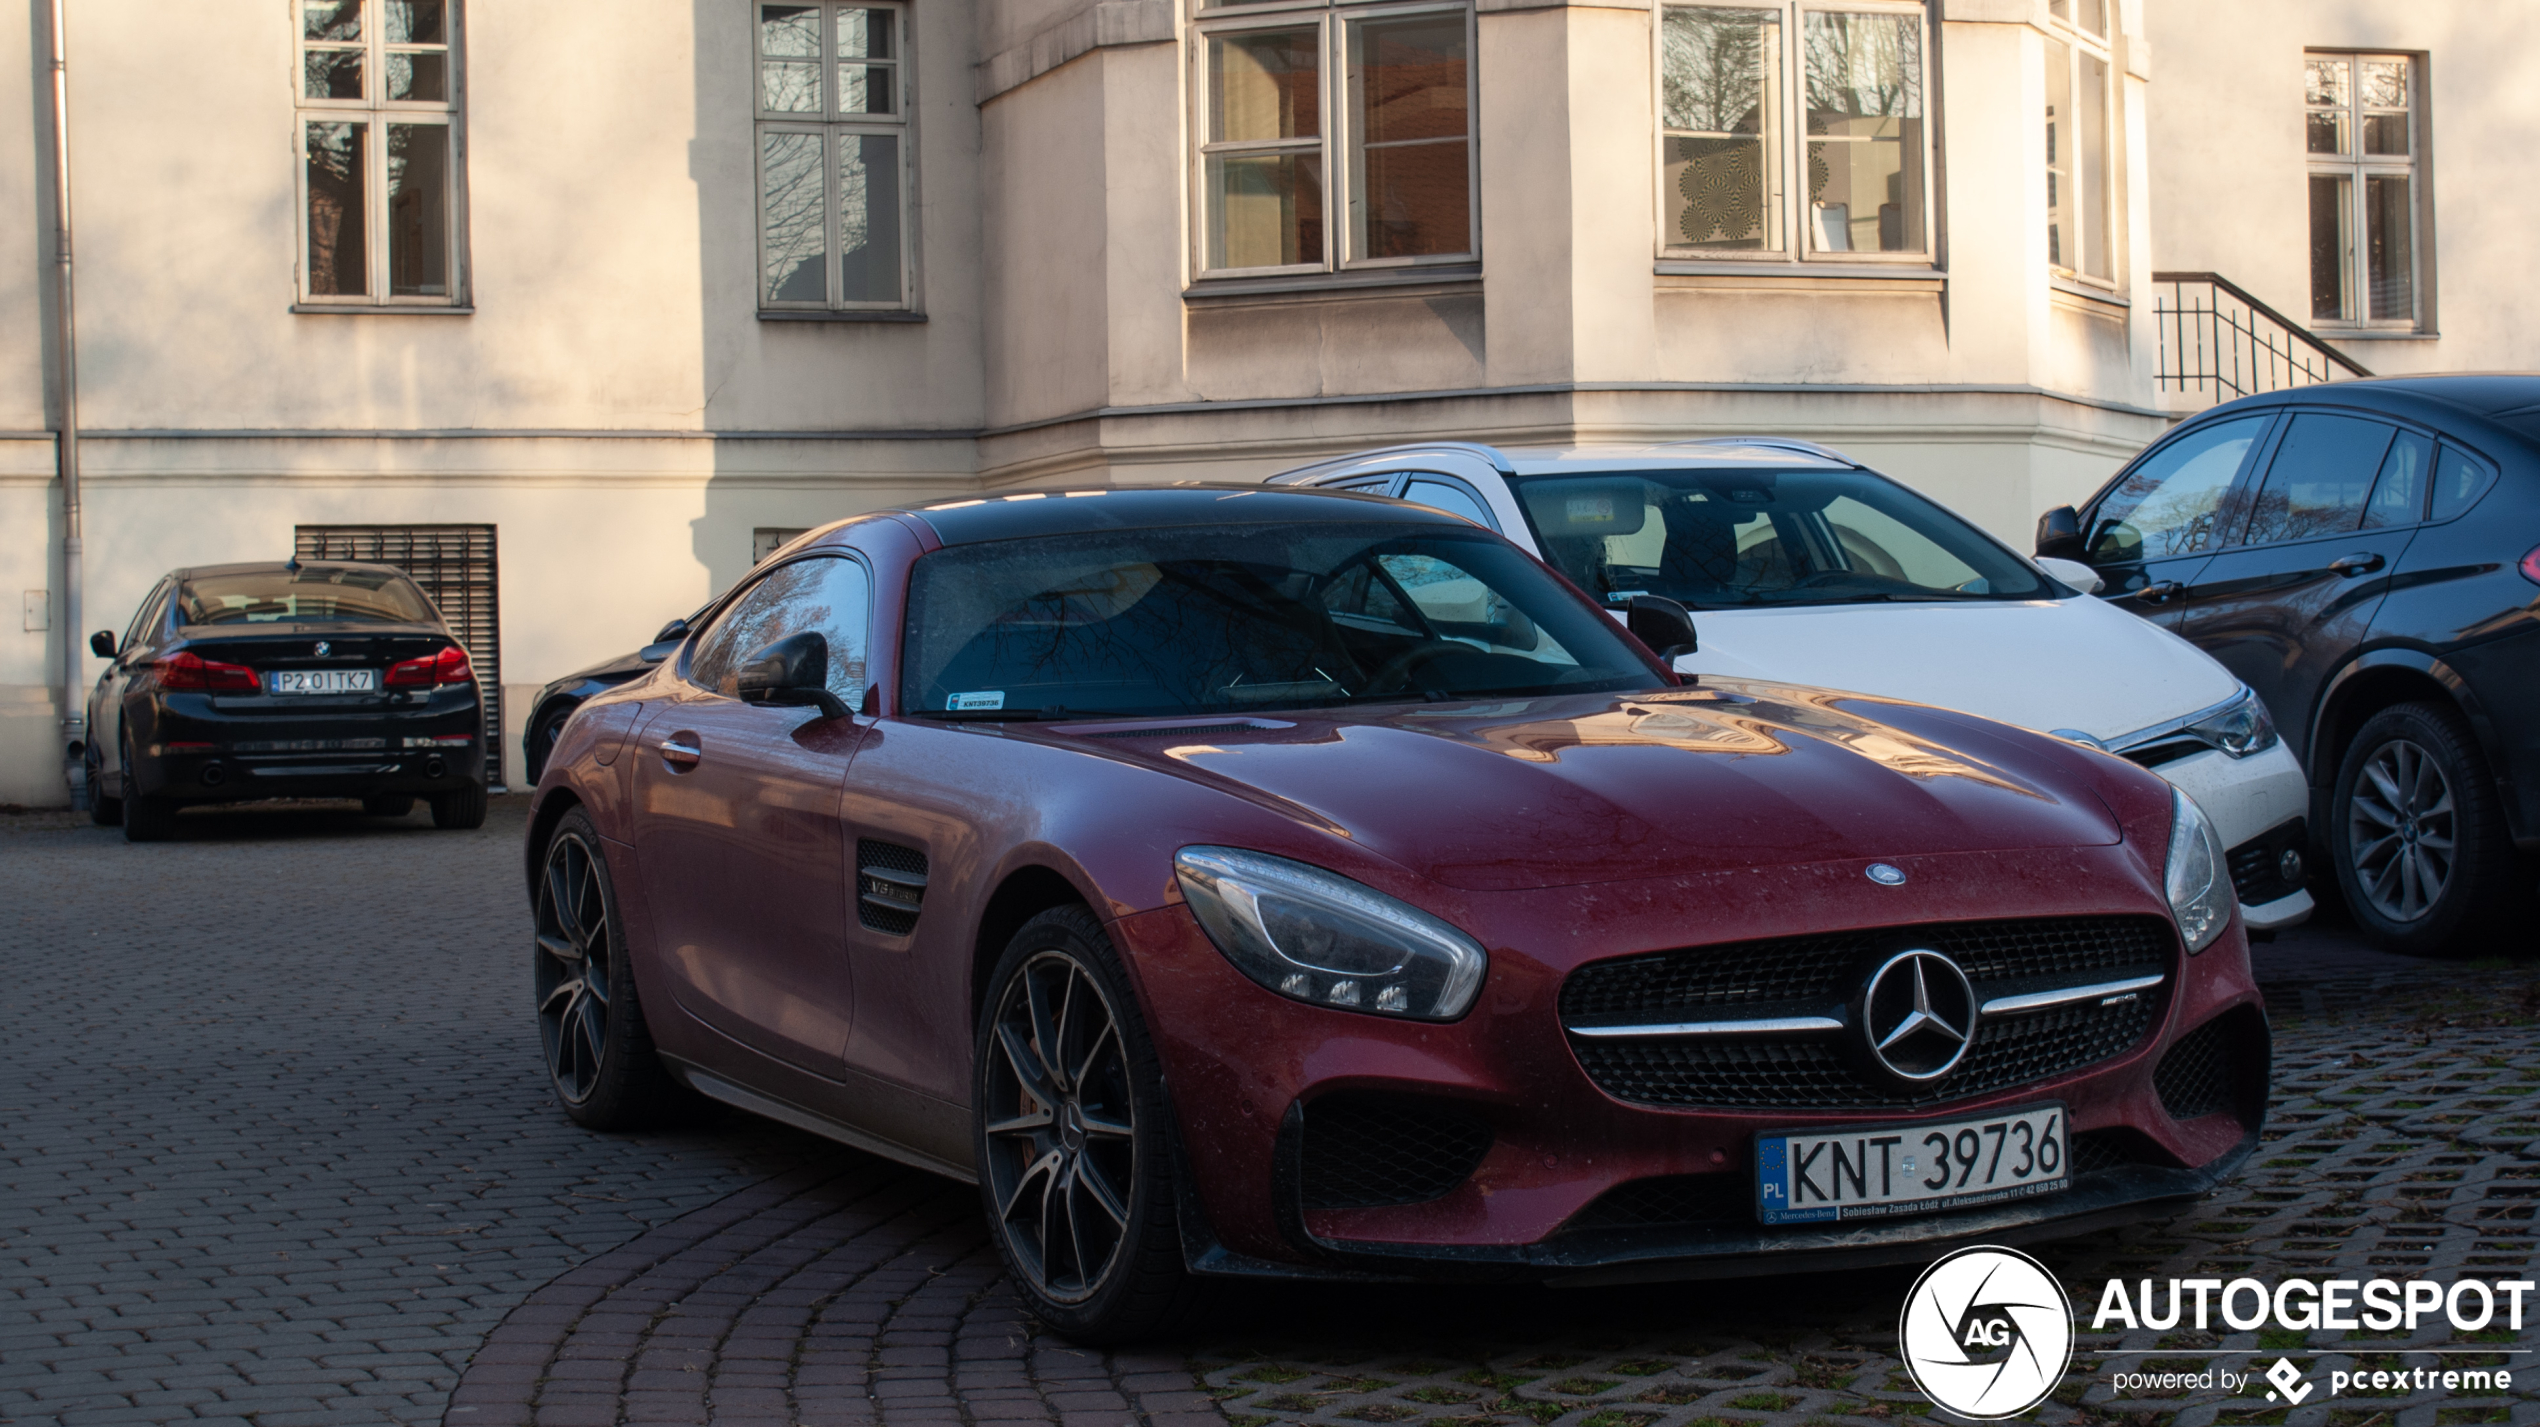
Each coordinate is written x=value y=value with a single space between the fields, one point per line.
x=993 y=699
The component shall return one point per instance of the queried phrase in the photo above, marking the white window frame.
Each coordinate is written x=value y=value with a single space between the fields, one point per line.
x=1333 y=144
x=375 y=113
x=2079 y=42
x=1799 y=237
x=2356 y=166
x=831 y=127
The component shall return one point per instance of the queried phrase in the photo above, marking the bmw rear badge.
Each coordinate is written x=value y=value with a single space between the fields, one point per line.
x=1886 y=875
x=321 y=650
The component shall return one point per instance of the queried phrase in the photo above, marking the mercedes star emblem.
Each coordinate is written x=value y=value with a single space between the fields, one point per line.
x=1886 y=875
x=1918 y=1014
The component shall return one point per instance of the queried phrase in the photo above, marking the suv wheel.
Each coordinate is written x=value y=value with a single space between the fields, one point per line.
x=1070 y=1128
x=2417 y=833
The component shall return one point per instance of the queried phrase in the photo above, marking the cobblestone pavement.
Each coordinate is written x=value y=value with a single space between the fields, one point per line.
x=277 y=1149
x=274 y=1141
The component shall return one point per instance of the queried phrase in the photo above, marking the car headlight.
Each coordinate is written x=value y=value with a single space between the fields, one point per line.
x=2238 y=728
x=2198 y=882
x=1317 y=937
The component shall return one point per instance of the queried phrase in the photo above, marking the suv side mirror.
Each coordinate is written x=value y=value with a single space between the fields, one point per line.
x=1663 y=625
x=2059 y=536
x=793 y=670
x=102 y=644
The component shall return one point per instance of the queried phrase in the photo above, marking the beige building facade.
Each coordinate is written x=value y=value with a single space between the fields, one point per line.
x=628 y=291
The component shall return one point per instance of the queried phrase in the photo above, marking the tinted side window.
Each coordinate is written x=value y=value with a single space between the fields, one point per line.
x=2398 y=495
x=829 y=594
x=2459 y=480
x=1449 y=497
x=145 y=621
x=2170 y=503
x=2322 y=472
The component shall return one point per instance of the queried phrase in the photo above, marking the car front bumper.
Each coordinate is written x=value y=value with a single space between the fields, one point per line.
x=2257 y=802
x=1246 y=1067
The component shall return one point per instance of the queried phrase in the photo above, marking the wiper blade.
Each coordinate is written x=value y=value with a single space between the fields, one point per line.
x=1039 y=715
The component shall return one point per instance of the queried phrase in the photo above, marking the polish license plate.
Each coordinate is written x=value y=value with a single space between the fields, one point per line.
x=1885 y=1171
x=322 y=681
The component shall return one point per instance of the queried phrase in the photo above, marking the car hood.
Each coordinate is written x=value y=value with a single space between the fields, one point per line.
x=1568 y=791
x=2072 y=663
x=629 y=665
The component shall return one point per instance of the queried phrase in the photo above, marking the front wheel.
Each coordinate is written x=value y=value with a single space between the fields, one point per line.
x=1071 y=1135
x=2422 y=852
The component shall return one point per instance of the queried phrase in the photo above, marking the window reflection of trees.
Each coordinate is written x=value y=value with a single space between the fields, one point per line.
x=823 y=594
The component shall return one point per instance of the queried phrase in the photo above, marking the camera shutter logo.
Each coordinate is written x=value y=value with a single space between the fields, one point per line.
x=1987 y=1333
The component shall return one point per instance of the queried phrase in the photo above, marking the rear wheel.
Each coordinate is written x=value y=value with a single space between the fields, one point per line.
x=102 y=810
x=1074 y=1151
x=145 y=819
x=460 y=808
x=388 y=805
x=2421 y=849
x=599 y=1051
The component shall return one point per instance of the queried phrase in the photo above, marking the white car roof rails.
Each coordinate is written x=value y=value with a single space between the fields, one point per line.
x=1774 y=443
x=1497 y=458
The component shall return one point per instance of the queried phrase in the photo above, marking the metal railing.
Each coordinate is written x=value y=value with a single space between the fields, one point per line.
x=2217 y=340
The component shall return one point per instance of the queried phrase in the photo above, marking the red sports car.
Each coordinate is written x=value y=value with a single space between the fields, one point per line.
x=1236 y=881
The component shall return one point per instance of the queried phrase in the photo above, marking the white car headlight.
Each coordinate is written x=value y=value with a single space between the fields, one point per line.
x=2198 y=882
x=2238 y=728
x=1318 y=937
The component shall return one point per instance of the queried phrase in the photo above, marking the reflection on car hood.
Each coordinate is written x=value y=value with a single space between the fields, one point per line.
x=2045 y=664
x=629 y=665
x=1564 y=791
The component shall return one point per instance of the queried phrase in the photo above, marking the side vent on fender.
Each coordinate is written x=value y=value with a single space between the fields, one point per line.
x=890 y=885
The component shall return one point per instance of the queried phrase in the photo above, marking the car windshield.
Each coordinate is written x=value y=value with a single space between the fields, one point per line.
x=1192 y=620
x=1729 y=539
x=311 y=594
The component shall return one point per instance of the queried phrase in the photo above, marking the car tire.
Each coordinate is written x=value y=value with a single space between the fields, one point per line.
x=145 y=819
x=541 y=743
x=102 y=810
x=1090 y=1146
x=388 y=805
x=2417 y=834
x=460 y=808
x=599 y=1052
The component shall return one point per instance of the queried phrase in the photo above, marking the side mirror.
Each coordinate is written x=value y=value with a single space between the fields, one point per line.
x=102 y=644
x=2059 y=535
x=1663 y=625
x=793 y=670
x=2073 y=573
x=676 y=629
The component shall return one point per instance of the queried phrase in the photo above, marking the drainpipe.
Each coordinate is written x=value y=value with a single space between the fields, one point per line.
x=74 y=704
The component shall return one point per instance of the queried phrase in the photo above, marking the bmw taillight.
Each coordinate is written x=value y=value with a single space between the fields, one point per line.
x=187 y=670
x=447 y=667
x=2531 y=565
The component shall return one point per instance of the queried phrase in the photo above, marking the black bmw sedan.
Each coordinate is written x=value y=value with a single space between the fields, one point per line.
x=284 y=680
x=2366 y=556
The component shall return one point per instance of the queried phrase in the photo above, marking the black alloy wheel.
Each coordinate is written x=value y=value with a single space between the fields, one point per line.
x=1074 y=1152
x=599 y=1052
x=102 y=810
x=2421 y=849
x=145 y=819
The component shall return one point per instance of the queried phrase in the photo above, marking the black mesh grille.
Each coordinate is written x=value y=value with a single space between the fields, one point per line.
x=1819 y=972
x=1823 y=968
x=2257 y=866
x=890 y=885
x=1760 y=1071
x=1670 y=1200
x=2195 y=1077
x=1362 y=1151
x=2095 y=1150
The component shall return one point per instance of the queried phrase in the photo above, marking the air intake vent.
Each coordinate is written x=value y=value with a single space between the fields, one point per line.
x=2195 y=1076
x=1364 y=1151
x=890 y=885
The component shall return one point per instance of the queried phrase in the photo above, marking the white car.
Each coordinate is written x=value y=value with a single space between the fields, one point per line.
x=1802 y=566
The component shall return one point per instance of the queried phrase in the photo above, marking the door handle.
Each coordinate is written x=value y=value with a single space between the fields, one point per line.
x=2163 y=590
x=2362 y=562
x=680 y=751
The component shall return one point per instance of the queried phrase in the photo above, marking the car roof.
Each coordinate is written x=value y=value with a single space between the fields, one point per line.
x=1086 y=509
x=1706 y=453
x=2506 y=403
x=277 y=567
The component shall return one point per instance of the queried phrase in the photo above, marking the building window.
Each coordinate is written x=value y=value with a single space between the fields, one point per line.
x=833 y=157
x=1310 y=112
x=2080 y=114
x=2361 y=124
x=380 y=152
x=1813 y=150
